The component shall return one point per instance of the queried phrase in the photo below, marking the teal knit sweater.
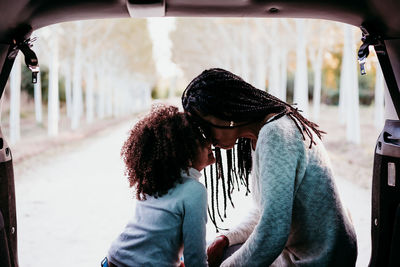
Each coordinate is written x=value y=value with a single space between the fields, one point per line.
x=299 y=219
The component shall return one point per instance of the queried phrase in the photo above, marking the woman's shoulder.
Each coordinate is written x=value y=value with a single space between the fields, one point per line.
x=281 y=129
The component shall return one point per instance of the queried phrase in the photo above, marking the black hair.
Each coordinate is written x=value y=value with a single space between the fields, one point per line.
x=228 y=97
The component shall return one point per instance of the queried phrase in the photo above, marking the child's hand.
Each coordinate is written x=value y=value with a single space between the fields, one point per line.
x=215 y=251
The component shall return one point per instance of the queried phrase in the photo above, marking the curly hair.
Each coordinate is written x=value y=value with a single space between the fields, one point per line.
x=158 y=148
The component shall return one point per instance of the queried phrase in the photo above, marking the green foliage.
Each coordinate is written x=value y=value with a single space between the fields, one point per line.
x=331 y=83
x=331 y=79
x=27 y=85
x=366 y=85
x=290 y=87
x=157 y=93
x=330 y=96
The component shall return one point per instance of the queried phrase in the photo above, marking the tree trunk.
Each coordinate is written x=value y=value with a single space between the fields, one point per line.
x=245 y=72
x=349 y=87
x=145 y=93
x=90 y=95
x=109 y=97
x=118 y=105
x=100 y=106
x=283 y=72
x=15 y=100
x=260 y=70
x=53 y=97
x=172 y=87
x=68 y=91
x=379 y=116
x=37 y=92
x=317 y=84
x=344 y=77
x=274 y=75
x=390 y=111
x=300 y=94
x=77 y=101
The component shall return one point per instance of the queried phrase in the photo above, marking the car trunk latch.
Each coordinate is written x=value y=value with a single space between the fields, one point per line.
x=363 y=52
x=31 y=59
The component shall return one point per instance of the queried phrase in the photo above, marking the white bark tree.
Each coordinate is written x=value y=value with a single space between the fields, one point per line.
x=68 y=90
x=15 y=100
x=90 y=82
x=317 y=68
x=77 y=99
x=283 y=72
x=300 y=94
x=261 y=68
x=109 y=96
x=101 y=89
x=37 y=92
x=349 y=102
x=379 y=106
x=172 y=87
x=286 y=45
x=274 y=85
x=390 y=111
x=48 y=51
x=316 y=51
x=244 y=62
x=53 y=97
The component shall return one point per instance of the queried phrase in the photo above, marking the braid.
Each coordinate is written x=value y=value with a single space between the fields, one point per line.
x=244 y=161
x=228 y=97
x=211 y=213
x=212 y=216
x=229 y=156
x=220 y=175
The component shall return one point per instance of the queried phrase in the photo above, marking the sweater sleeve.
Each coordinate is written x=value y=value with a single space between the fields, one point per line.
x=241 y=232
x=194 y=226
x=281 y=158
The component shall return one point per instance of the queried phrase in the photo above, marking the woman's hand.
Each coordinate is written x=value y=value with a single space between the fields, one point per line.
x=215 y=251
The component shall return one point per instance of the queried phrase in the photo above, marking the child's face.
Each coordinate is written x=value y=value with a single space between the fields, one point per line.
x=204 y=157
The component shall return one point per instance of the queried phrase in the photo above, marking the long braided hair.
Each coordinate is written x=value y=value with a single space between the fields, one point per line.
x=228 y=97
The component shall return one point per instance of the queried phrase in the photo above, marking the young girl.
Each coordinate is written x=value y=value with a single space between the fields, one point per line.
x=164 y=155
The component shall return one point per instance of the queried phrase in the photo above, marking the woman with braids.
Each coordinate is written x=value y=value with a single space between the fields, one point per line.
x=164 y=155
x=298 y=219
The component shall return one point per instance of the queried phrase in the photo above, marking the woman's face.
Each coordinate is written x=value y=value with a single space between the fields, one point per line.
x=204 y=157
x=223 y=138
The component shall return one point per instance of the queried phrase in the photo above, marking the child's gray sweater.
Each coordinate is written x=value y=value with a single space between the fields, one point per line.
x=162 y=227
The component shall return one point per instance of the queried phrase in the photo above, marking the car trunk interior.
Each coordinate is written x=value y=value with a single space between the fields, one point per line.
x=378 y=20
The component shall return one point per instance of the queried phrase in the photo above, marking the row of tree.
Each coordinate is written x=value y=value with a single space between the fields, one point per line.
x=264 y=51
x=106 y=67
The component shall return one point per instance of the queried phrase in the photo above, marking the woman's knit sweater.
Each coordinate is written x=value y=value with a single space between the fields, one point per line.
x=299 y=219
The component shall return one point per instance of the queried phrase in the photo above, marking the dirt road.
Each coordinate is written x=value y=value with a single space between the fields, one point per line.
x=73 y=202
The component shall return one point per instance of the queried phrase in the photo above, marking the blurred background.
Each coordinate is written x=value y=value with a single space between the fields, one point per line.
x=96 y=79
